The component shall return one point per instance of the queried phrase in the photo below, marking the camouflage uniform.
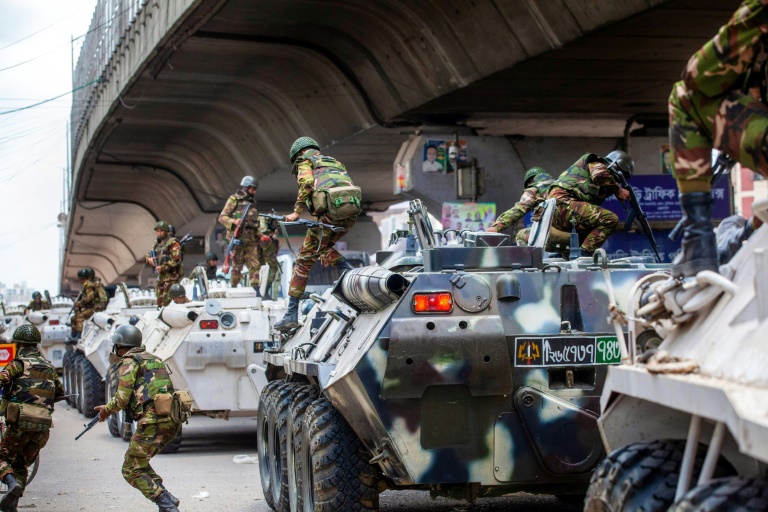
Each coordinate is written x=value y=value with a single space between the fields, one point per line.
x=38 y=306
x=168 y=253
x=93 y=299
x=141 y=376
x=248 y=252
x=708 y=109
x=578 y=192
x=313 y=171
x=28 y=379
x=268 y=248
x=531 y=198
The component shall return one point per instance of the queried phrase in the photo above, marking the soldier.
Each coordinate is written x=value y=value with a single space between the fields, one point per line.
x=38 y=303
x=92 y=298
x=268 y=248
x=167 y=262
x=248 y=251
x=536 y=182
x=210 y=266
x=314 y=172
x=178 y=294
x=31 y=386
x=141 y=378
x=582 y=188
x=715 y=106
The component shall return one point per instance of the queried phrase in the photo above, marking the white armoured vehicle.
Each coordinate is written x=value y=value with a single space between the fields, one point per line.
x=53 y=328
x=13 y=316
x=687 y=426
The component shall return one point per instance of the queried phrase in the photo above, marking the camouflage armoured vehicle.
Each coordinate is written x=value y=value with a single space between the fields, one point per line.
x=461 y=365
x=686 y=426
x=54 y=328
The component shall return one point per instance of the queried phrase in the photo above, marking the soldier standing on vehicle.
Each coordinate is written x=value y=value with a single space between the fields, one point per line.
x=327 y=191
x=142 y=380
x=38 y=303
x=718 y=105
x=30 y=388
x=93 y=298
x=247 y=252
x=178 y=294
x=167 y=262
x=268 y=248
x=210 y=266
x=582 y=188
x=537 y=183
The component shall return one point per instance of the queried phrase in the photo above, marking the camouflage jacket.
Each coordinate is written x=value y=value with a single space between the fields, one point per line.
x=588 y=180
x=234 y=209
x=34 y=306
x=168 y=253
x=532 y=197
x=721 y=64
x=315 y=171
x=94 y=296
x=31 y=379
x=141 y=376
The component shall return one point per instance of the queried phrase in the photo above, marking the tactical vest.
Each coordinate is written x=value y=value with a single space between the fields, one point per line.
x=163 y=251
x=103 y=297
x=152 y=377
x=577 y=180
x=252 y=222
x=333 y=195
x=37 y=383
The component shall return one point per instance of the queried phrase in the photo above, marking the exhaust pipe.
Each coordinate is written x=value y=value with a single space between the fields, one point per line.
x=371 y=288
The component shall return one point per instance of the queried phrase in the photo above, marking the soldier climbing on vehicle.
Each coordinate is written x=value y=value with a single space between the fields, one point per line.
x=536 y=183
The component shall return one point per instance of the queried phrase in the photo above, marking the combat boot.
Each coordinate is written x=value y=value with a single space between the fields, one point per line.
x=291 y=318
x=267 y=295
x=165 y=503
x=258 y=293
x=11 y=498
x=344 y=265
x=174 y=499
x=699 y=248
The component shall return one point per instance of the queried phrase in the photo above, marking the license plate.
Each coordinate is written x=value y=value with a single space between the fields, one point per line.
x=567 y=351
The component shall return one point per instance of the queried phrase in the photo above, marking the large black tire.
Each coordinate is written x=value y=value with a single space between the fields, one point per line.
x=92 y=387
x=262 y=441
x=642 y=477
x=113 y=422
x=277 y=416
x=173 y=446
x=341 y=477
x=734 y=494
x=66 y=370
x=76 y=369
x=296 y=475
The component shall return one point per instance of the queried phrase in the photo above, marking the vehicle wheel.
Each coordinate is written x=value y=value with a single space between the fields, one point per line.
x=339 y=475
x=303 y=397
x=735 y=494
x=113 y=422
x=277 y=418
x=66 y=370
x=77 y=378
x=174 y=445
x=262 y=441
x=92 y=387
x=642 y=476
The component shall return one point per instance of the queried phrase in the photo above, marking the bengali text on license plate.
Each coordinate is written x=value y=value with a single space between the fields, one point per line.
x=567 y=351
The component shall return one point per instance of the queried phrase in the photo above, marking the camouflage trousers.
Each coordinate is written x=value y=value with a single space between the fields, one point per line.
x=268 y=256
x=248 y=255
x=734 y=123
x=313 y=248
x=79 y=318
x=148 y=441
x=594 y=220
x=18 y=450
x=521 y=237
x=162 y=288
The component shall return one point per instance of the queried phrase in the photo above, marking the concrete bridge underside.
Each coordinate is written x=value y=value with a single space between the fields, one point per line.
x=201 y=92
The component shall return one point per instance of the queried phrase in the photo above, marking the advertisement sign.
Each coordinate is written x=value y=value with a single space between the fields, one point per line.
x=7 y=353
x=473 y=216
x=435 y=155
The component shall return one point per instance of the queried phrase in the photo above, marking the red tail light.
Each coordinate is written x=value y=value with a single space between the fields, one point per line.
x=53 y=322
x=432 y=302
x=209 y=324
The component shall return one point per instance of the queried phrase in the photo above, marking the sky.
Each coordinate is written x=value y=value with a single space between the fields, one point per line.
x=35 y=65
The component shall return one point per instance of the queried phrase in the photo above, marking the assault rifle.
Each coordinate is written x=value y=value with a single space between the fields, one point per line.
x=153 y=257
x=235 y=242
x=635 y=214
x=186 y=238
x=309 y=223
x=88 y=427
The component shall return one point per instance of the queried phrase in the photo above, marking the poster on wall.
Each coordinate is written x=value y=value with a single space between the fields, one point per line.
x=403 y=178
x=435 y=157
x=472 y=216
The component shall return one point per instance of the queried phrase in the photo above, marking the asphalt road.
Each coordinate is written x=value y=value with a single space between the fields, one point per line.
x=85 y=475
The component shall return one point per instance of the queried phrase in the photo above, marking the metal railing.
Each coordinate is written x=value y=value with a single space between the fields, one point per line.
x=106 y=34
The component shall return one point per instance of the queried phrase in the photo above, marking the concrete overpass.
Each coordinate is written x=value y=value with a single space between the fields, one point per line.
x=190 y=95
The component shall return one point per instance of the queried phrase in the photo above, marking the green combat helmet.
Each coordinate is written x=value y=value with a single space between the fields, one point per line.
x=530 y=174
x=37 y=295
x=301 y=144
x=83 y=273
x=26 y=333
x=127 y=336
x=249 y=181
x=211 y=256
x=176 y=291
x=162 y=225
x=622 y=162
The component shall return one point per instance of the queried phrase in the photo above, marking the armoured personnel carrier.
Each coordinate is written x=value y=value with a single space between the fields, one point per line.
x=460 y=365
x=54 y=328
x=686 y=427
x=13 y=316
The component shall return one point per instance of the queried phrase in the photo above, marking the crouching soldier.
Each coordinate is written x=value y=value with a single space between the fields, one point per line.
x=31 y=386
x=142 y=380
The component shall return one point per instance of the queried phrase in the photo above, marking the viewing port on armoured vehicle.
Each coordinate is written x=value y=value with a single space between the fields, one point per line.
x=466 y=369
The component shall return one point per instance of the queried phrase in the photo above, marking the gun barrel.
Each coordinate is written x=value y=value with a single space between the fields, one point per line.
x=88 y=427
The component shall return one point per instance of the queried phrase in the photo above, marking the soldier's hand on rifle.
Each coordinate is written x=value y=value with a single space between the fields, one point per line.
x=622 y=194
x=235 y=223
x=292 y=217
x=103 y=414
x=149 y=260
x=491 y=229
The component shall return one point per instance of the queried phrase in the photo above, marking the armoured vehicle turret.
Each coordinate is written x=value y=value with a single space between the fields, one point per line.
x=54 y=328
x=685 y=426
x=460 y=365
